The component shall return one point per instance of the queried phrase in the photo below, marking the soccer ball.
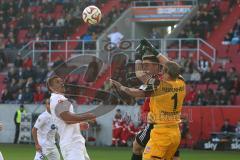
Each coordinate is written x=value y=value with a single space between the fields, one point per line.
x=91 y=15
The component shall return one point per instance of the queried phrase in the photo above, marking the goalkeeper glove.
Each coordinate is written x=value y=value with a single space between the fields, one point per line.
x=149 y=46
x=140 y=50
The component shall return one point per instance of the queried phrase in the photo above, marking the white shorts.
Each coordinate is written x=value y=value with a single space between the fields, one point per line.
x=49 y=154
x=1 y=157
x=75 y=151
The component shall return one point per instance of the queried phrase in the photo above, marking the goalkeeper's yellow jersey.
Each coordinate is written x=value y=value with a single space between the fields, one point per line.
x=166 y=101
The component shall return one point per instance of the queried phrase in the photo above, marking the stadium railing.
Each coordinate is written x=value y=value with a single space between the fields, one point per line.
x=181 y=47
x=164 y=3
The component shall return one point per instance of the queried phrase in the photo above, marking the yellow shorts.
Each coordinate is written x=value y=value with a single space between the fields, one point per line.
x=163 y=143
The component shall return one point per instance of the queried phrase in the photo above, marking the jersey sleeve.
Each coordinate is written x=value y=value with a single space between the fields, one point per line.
x=62 y=106
x=181 y=78
x=150 y=86
x=40 y=122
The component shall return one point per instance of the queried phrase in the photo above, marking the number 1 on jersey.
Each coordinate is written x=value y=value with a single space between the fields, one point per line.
x=175 y=98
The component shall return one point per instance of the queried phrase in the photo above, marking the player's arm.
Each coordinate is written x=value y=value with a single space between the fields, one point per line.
x=161 y=58
x=63 y=111
x=39 y=124
x=134 y=92
x=34 y=134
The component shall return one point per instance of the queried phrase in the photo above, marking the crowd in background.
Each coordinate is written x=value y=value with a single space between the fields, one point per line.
x=44 y=20
x=233 y=36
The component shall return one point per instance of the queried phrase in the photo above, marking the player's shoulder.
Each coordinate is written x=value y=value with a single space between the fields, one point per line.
x=57 y=98
x=43 y=115
x=180 y=77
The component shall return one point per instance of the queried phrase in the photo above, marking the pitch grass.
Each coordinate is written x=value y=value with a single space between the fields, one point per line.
x=26 y=152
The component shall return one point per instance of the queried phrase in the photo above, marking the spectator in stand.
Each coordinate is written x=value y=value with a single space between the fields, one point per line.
x=195 y=76
x=41 y=62
x=38 y=96
x=232 y=74
x=221 y=73
x=27 y=63
x=208 y=76
x=187 y=75
x=210 y=97
x=18 y=61
x=155 y=35
x=200 y=99
x=227 y=127
x=191 y=96
x=115 y=37
x=12 y=74
x=236 y=86
x=7 y=97
x=117 y=127
x=27 y=96
x=2 y=59
x=225 y=83
x=30 y=83
x=223 y=97
x=203 y=65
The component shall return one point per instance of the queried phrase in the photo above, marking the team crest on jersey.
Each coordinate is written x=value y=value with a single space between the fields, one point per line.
x=147 y=149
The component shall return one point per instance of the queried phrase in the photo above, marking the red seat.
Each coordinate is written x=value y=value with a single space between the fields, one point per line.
x=213 y=86
x=202 y=87
x=237 y=100
x=22 y=34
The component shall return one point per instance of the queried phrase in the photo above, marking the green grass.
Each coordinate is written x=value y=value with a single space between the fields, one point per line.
x=26 y=152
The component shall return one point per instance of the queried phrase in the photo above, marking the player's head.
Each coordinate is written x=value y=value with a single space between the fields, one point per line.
x=55 y=84
x=151 y=64
x=47 y=105
x=171 y=69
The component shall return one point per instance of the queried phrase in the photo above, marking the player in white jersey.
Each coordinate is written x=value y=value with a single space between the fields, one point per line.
x=44 y=132
x=72 y=143
x=1 y=127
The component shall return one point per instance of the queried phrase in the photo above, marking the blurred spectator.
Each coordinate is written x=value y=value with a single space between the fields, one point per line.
x=210 y=97
x=203 y=65
x=154 y=35
x=223 y=97
x=227 y=127
x=117 y=127
x=232 y=74
x=27 y=96
x=27 y=63
x=208 y=76
x=6 y=96
x=115 y=37
x=38 y=95
x=195 y=76
x=191 y=96
x=220 y=74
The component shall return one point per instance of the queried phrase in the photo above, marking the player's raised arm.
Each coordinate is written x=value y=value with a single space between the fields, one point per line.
x=63 y=111
x=162 y=59
x=134 y=92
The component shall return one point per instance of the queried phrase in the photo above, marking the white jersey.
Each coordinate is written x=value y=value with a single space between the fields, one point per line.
x=69 y=133
x=46 y=130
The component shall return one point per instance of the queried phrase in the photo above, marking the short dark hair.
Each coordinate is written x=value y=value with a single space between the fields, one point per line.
x=151 y=58
x=173 y=69
x=50 y=81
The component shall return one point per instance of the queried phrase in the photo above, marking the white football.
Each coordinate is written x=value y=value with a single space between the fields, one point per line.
x=91 y=15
